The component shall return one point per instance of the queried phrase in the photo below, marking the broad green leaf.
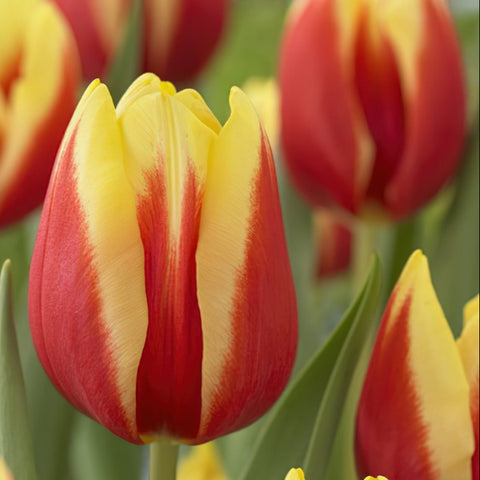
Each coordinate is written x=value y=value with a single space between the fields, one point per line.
x=467 y=24
x=333 y=400
x=15 y=439
x=316 y=392
x=341 y=465
x=108 y=455
x=126 y=65
x=455 y=265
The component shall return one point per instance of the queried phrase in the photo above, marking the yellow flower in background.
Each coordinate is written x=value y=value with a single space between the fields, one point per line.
x=202 y=463
x=5 y=473
x=295 y=474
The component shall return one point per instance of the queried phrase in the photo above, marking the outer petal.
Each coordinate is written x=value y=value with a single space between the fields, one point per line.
x=435 y=108
x=333 y=242
x=180 y=36
x=38 y=110
x=327 y=148
x=87 y=304
x=98 y=28
x=469 y=352
x=245 y=288
x=167 y=152
x=413 y=419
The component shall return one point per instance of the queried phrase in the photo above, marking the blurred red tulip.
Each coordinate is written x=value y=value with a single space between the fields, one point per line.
x=39 y=76
x=372 y=103
x=179 y=36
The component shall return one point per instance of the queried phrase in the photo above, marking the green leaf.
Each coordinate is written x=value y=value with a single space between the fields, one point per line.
x=315 y=399
x=126 y=65
x=455 y=265
x=108 y=455
x=333 y=400
x=15 y=439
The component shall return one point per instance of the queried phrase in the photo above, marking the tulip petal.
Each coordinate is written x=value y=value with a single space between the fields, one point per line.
x=33 y=134
x=377 y=80
x=5 y=473
x=181 y=36
x=468 y=345
x=413 y=417
x=245 y=289
x=96 y=268
x=335 y=150
x=435 y=109
x=167 y=153
x=12 y=26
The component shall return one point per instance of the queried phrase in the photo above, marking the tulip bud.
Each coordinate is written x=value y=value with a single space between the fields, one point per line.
x=333 y=243
x=413 y=418
x=372 y=103
x=179 y=36
x=161 y=298
x=39 y=75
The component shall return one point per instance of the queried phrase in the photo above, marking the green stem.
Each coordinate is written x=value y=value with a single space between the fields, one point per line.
x=163 y=461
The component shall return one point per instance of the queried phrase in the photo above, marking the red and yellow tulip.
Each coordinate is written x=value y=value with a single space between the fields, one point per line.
x=161 y=299
x=418 y=411
x=39 y=75
x=179 y=36
x=372 y=103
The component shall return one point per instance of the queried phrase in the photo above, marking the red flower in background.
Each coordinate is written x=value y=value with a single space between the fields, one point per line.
x=39 y=76
x=372 y=103
x=179 y=36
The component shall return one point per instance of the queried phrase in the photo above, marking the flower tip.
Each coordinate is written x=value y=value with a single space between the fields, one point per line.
x=295 y=474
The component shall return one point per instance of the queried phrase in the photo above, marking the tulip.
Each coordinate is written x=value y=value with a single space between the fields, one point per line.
x=414 y=418
x=39 y=74
x=161 y=300
x=372 y=103
x=333 y=241
x=179 y=36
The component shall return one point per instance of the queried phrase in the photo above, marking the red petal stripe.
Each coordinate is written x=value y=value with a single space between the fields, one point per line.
x=169 y=374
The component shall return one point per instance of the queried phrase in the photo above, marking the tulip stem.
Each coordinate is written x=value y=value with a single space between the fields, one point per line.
x=163 y=461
